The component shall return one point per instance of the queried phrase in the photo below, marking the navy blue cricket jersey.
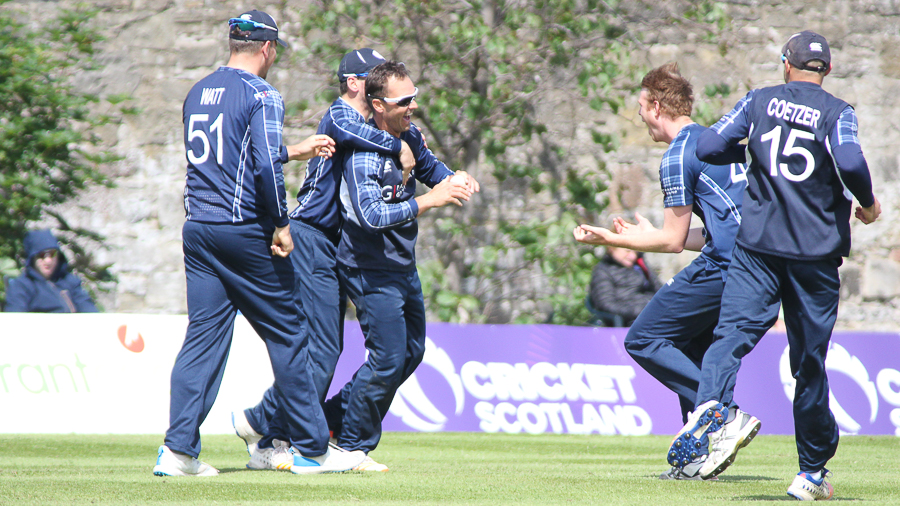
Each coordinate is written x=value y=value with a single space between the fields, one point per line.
x=232 y=131
x=379 y=211
x=714 y=191
x=796 y=205
x=318 y=200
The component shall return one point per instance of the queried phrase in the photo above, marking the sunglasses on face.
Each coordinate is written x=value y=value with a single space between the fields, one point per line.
x=400 y=101
x=50 y=253
x=246 y=25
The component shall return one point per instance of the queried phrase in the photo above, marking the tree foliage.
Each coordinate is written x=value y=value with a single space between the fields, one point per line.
x=502 y=83
x=47 y=151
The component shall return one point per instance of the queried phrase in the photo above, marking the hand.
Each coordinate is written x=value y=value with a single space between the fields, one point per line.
x=471 y=184
x=592 y=235
x=424 y=141
x=442 y=194
x=625 y=228
x=282 y=244
x=407 y=160
x=869 y=214
x=314 y=145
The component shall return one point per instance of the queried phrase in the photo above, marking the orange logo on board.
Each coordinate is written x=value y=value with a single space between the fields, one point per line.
x=132 y=341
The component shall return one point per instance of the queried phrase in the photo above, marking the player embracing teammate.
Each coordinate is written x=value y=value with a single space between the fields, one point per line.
x=671 y=334
x=806 y=166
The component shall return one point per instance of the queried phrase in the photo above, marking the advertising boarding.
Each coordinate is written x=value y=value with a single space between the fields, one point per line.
x=110 y=373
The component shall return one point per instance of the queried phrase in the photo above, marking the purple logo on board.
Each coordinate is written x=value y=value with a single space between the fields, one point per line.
x=580 y=380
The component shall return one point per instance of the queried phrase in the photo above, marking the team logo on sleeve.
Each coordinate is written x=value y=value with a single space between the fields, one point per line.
x=264 y=94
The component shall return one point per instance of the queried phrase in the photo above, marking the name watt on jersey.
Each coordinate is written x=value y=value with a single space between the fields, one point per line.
x=211 y=96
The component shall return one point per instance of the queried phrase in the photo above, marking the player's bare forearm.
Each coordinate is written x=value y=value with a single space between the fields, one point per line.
x=653 y=241
x=314 y=145
x=443 y=193
x=407 y=160
x=695 y=240
x=673 y=237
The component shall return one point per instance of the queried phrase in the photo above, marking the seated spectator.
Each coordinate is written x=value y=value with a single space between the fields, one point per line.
x=46 y=286
x=622 y=284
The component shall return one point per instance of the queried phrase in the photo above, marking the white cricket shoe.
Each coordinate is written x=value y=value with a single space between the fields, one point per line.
x=169 y=463
x=279 y=457
x=370 y=465
x=332 y=461
x=806 y=488
x=245 y=431
x=724 y=444
x=693 y=441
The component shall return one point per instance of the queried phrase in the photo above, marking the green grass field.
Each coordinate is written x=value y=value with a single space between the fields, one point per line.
x=441 y=468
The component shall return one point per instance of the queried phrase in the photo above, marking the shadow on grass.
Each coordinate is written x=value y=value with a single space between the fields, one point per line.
x=786 y=497
x=227 y=470
x=740 y=478
x=726 y=479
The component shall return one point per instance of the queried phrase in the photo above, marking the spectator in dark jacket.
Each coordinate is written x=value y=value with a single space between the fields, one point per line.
x=622 y=284
x=46 y=286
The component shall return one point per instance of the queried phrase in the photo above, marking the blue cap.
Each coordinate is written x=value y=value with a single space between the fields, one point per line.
x=805 y=47
x=358 y=63
x=259 y=26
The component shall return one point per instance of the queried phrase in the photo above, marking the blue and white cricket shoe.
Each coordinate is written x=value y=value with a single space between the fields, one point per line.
x=692 y=443
x=739 y=430
x=169 y=463
x=332 y=461
x=806 y=488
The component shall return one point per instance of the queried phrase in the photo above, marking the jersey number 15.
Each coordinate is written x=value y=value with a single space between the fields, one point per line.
x=774 y=136
x=200 y=133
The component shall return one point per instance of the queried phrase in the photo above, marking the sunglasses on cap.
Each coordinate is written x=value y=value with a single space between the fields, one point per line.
x=400 y=101
x=247 y=25
x=358 y=76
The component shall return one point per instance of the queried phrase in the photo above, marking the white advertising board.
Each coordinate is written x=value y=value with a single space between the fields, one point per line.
x=110 y=373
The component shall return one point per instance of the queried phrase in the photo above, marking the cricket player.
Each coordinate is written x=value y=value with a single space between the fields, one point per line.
x=671 y=334
x=806 y=166
x=377 y=260
x=236 y=242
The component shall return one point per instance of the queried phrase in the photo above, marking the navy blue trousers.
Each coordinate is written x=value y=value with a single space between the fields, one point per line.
x=318 y=297
x=390 y=308
x=672 y=333
x=229 y=268
x=809 y=291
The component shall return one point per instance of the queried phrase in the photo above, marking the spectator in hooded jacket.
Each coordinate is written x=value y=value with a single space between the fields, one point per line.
x=46 y=285
x=622 y=284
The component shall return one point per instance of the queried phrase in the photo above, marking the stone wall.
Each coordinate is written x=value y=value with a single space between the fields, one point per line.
x=865 y=46
x=156 y=49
